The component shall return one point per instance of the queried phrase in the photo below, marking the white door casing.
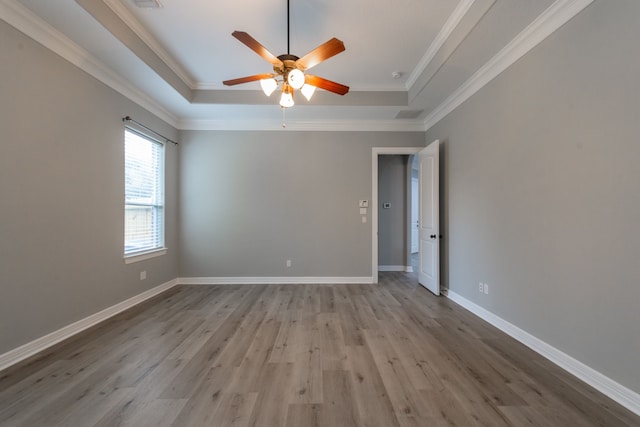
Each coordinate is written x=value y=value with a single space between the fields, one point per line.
x=429 y=227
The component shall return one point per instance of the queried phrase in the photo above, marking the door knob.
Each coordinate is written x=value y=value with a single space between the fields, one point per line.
x=433 y=236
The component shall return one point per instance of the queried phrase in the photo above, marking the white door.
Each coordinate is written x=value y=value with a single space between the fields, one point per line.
x=429 y=266
x=414 y=215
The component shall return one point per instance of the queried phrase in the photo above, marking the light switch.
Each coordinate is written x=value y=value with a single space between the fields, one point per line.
x=363 y=211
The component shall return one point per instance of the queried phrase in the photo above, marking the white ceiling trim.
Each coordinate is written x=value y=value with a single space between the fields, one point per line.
x=554 y=17
x=452 y=22
x=135 y=26
x=25 y=21
x=206 y=86
x=560 y=12
x=320 y=125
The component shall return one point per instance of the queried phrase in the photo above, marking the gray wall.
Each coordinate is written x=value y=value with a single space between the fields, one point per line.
x=252 y=200
x=61 y=194
x=542 y=191
x=392 y=222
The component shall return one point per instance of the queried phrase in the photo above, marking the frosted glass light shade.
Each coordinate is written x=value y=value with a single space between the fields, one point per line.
x=308 y=91
x=268 y=86
x=295 y=78
x=286 y=100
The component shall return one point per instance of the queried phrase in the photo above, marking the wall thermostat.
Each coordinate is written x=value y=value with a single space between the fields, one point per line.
x=363 y=203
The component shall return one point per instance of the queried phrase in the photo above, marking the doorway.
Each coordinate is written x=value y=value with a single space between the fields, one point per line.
x=428 y=213
x=375 y=202
x=394 y=207
x=414 y=231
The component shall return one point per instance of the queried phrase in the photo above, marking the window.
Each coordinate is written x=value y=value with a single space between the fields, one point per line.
x=144 y=194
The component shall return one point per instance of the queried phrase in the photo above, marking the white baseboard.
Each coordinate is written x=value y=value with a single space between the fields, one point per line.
x=273 y=280
x=621 y=394
x=29 y=349
x=403 y=268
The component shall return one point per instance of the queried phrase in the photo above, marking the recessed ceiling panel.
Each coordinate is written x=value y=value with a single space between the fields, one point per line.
x=192 y=39
x=380 y=37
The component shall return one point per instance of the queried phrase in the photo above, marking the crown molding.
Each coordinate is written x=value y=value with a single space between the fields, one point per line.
x=25 y=21
x=560 y=12
x=111 y=22
x=140 y=30
x=319 y=125
x=207 y=86
x=452 y=22
x=554 y=17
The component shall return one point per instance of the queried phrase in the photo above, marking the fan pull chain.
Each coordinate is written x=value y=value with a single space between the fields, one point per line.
x=284 y=125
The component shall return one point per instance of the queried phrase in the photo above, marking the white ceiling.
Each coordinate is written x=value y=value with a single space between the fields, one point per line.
x=173 y=60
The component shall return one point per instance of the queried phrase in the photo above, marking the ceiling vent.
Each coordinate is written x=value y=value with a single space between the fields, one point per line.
x=408 y=114
x=148 y=4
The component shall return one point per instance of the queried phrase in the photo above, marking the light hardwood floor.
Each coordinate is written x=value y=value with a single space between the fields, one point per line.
x=298 y=355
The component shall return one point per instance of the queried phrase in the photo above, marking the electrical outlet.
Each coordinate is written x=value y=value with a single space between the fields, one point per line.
x=143 y=274
x=288 y=263
x=486 y=288
x=481 y=287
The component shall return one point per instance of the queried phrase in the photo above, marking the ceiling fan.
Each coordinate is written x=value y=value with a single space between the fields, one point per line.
x=290 y=69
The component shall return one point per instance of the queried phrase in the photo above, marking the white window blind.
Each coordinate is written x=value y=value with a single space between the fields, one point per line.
x=144 y=193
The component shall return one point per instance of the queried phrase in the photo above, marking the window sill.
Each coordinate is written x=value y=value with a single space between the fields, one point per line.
x=141 y=256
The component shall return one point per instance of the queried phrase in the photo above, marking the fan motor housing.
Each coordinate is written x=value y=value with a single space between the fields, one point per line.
x=288 y=64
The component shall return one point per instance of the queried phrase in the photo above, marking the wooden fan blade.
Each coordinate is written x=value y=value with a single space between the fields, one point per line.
x=254 y=45
x=247 y=79
x=326 y=84
x=321 y=53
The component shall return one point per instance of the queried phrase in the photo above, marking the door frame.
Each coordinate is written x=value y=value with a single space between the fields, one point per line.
x=375 y=153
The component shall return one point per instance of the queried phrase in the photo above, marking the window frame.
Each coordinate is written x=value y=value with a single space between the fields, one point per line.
x=160 y=202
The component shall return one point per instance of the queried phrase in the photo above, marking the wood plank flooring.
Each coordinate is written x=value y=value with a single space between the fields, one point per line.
x=385 y=355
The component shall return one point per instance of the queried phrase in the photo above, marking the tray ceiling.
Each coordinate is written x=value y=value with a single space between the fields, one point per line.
x=173 y=59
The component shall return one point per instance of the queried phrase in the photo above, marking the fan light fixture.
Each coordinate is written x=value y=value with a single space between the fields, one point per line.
x=308 y=91
x=290 y=70
x=286 y=100
x=295 y=78
x=268 y=86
